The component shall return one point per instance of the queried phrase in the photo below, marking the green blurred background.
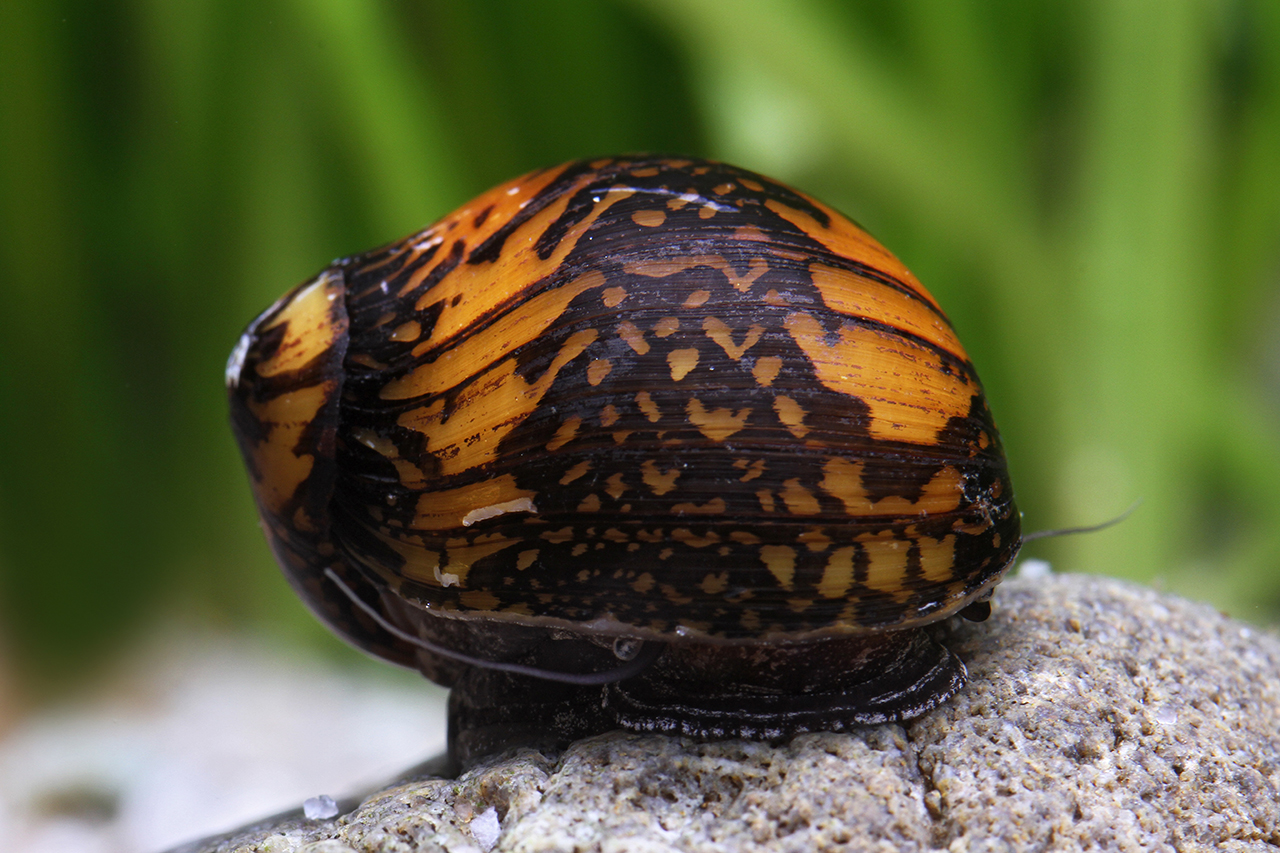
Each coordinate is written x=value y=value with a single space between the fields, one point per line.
x=1091 y=190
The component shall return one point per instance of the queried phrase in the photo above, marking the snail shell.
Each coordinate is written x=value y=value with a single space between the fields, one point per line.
x=648 y=409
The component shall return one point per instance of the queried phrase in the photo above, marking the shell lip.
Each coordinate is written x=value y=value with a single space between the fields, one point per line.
x=610 y=627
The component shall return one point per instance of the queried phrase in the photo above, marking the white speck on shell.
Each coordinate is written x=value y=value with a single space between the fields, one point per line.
x=494 y=510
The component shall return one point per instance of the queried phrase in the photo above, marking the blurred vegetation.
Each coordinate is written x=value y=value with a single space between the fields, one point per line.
x=1091 y=189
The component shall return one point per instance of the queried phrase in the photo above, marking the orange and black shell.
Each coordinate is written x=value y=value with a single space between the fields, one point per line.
x=643 y=396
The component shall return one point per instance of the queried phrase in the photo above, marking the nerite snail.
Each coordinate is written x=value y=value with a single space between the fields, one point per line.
x=649 y=443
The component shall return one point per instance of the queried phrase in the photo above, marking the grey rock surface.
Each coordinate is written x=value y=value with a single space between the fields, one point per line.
x=1100 y=716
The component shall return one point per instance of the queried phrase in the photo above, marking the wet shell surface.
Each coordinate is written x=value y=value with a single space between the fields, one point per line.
x=632 y=403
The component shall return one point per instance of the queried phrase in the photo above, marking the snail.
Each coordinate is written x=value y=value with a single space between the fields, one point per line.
x=639 y=442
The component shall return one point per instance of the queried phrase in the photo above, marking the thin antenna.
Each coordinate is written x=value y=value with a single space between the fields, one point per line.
x=1070 y=531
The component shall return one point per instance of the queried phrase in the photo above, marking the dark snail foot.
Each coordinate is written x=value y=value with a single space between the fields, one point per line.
x=775 y=692
x=713 y=691
x=491 y=711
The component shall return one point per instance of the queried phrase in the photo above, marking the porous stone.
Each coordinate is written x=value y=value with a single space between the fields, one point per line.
x=1100 y=716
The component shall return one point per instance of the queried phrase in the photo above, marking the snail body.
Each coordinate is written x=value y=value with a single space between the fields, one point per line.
x=642 y=442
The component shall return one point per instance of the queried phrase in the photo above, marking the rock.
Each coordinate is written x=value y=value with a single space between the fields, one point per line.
x=1100 y=715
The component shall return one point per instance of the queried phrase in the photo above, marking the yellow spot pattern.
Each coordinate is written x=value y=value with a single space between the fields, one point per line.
x=910 y=395
x=780 y=560
x=681 y=362
x=715 y=583
x=615 y=487
x=723 y=335
x=659 y=482
x=715 y=506
x=565 y=434
x=766 y=369
x=837 y=576
x=280 y=469
x=842 y=479
x=854 y=296
x=649 y=218
x=445 y=509
x=799 y=500
x=487 y=409
x=597 y=370
x=309 y=330
x=575 y=472
x=633 y=336
x=647 y=407
x=407 y=332
x=716 y=424
x=791 y=414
